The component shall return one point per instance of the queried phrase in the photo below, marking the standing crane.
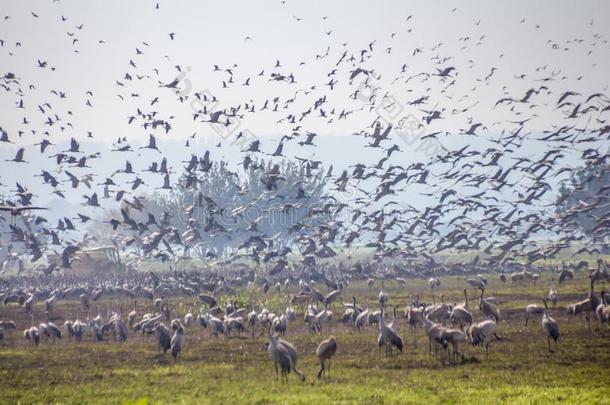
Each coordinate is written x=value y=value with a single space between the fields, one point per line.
x=550 y=326
x=325 y=351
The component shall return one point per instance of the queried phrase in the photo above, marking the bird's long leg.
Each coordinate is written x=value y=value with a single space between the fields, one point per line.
x=548 y=339
x=527 y=319
x=461 y=355
x=328 y=368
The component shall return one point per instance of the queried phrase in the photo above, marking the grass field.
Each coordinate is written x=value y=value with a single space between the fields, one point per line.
x=519 y=369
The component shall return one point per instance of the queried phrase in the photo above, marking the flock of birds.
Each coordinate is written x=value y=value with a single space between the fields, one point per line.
x=447 y=326
x=492 y=189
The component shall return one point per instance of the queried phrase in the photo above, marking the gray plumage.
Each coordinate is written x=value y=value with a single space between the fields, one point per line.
x=178 y=338
x=163 y=336
x=325 y=351
x=550 y=327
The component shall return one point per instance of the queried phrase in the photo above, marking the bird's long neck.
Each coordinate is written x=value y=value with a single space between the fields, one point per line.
x=272 y=340
x=425 y=320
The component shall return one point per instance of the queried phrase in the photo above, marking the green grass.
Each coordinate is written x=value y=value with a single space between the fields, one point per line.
x=238 y=370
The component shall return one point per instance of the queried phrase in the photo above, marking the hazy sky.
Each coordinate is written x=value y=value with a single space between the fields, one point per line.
x=209 y=33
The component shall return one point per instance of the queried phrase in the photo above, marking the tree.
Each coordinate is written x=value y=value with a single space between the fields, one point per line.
x=229 y=208
x=584 y=200
x=222 y=209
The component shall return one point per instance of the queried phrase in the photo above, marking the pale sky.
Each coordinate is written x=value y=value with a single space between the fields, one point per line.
x=209 y=33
